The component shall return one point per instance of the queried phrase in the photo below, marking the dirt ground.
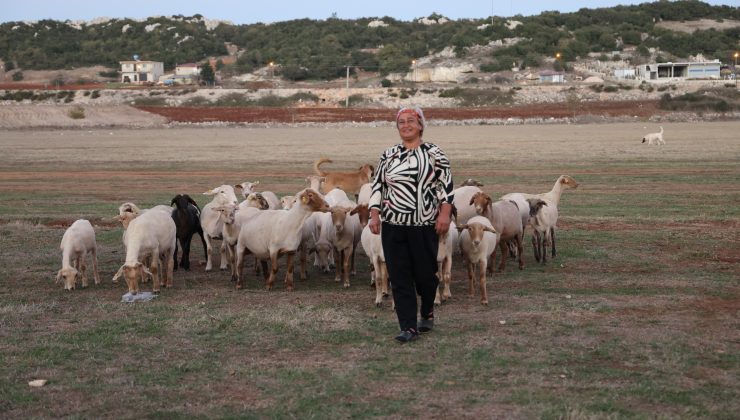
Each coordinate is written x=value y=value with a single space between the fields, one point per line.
x=635 y=317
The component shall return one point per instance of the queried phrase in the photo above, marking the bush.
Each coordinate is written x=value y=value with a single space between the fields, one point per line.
x=18 y=76
x=197 y=101
x=386 y=83
x=95 y=94
x=478 y=97
x=112 y=74
x=147 y=101
x=610 y=88
x=76 y=113
x=356 y=99
x=304 y=97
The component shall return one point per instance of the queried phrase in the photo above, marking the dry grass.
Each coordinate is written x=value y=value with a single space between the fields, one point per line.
x=635 y=317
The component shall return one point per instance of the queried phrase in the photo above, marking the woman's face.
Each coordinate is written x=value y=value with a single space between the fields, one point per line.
x=409 y=127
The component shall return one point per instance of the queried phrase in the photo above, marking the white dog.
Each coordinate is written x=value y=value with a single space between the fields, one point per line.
x=654 y=137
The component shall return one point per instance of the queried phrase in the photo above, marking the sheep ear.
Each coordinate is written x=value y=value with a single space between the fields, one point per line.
x=118 y=273
x=145 y=270
x=59 y=277
x=255 y=183
x=210 y=192
x=173 y=200
x=238 y=187
x=490 y=229
x=462 y=227
x=472 y=200
x=191 y=201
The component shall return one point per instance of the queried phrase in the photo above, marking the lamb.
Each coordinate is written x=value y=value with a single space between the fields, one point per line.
x=187 y=219
x=350 y=182
x=78 y=241
x=505 y=218
x=656 y=138
x=447 y=245
x=211 y=222
x=373 y=247
x=271 y=233
x=151 y=235
x=232 y=216
x=247 y=188
x=344 y=233
x=543 y=218
x=477 y=243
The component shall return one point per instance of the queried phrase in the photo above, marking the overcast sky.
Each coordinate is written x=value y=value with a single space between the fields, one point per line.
x=240 y=11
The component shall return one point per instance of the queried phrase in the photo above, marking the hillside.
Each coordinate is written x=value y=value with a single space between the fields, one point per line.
x=322 y=49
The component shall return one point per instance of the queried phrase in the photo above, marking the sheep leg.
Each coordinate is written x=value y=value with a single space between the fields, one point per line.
x=232 y=260
x=504 y=246
x=185 y=258
x=304 y=257
x=552 y=237
x=471 y=292
x=545 y=242
x=273 y=270
x=536 y=245
x=347 y=263
x=378 y=282
x=482 y=281
x=447 y=277
x=338 y=265
x=174 y=254
x=96 y=274
x=520 y=250
x=81 y=268
x=169 y=270
x=384 y=280
x=224 y=258
x=154 y=269
x=289 y=275
x=240 y=251
x=438 y=295
x=209 y=252
x=352 y=269
x=203 y=240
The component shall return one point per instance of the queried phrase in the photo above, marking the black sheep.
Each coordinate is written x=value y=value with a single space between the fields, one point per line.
x=187 y=219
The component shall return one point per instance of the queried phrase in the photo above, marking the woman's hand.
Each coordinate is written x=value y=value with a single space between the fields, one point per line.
x=443 y=219
x=375 y=221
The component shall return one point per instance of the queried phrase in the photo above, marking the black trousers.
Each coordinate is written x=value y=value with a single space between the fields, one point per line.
x=411 y=258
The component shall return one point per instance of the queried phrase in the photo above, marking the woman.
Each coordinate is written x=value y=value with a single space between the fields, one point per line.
x=412 y=191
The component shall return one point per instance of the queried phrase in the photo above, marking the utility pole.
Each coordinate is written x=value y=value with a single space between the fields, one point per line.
x=346 y=103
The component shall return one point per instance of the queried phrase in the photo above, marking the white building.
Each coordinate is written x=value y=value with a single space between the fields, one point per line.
x=624 y=73
x=549 y=76
x=688 y=70
x=187 y=69
x=141 y=71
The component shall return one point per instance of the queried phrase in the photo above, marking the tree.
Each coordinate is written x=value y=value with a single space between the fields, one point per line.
x=206 y=74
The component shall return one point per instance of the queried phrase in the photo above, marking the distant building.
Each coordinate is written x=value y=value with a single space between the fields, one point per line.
x=138 y=71
x=688 y=70
x=187 y=69
x=624 y=73
x=549 y=76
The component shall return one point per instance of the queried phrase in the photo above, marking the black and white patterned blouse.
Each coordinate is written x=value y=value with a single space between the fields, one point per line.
x=411 y=184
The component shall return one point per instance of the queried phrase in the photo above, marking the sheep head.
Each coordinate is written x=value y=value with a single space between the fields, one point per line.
x=568 y=182
x=312 y=200
x=70 y=276
x=132 y=272
x=246 y=188
x=315 y=181
x=287 y=202
x=476 y=232
x=535 y=204
x=182 y=201
x=222 y=195
x=481 y=202
x=227 y=213
x=367 y=170
x=339 y=217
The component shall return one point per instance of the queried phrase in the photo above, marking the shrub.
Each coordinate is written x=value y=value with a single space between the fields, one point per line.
x=478 y=97
x=86 y=93
x=610 y=88
x=76 y=113
x=304 y=97
x=356 y=99
x=386 y=83
x=95 y=94
x=112 y=74
x=197 y=101
x=147 y=101
x=233 y=99
x=18 y=76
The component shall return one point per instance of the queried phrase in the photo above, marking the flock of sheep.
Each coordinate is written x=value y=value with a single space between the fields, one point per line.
x=321 y=220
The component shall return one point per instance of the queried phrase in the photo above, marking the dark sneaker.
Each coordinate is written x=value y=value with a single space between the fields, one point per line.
x=426 y=325
x=406 y=336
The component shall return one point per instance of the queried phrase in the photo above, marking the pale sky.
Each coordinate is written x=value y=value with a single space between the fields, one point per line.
x=240 y=11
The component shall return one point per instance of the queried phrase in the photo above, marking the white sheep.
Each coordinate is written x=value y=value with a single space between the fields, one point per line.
x=247 y=188
x=447 y=245
x=543 y=218
x=151 y=235
x=505 y=218
x=477 y=243
x=373 y=247
x=78 y=241
x=344 y=234
x=552 y=198
x=211 y=223
x=656 y=138
x=271 y=233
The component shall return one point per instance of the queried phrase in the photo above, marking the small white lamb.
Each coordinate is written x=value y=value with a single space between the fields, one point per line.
x=77 y=242
x=654 y=137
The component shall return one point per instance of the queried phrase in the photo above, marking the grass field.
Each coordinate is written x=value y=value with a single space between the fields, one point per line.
x=637 y=316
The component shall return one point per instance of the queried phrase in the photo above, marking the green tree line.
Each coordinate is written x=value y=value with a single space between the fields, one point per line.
x=321 y=49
